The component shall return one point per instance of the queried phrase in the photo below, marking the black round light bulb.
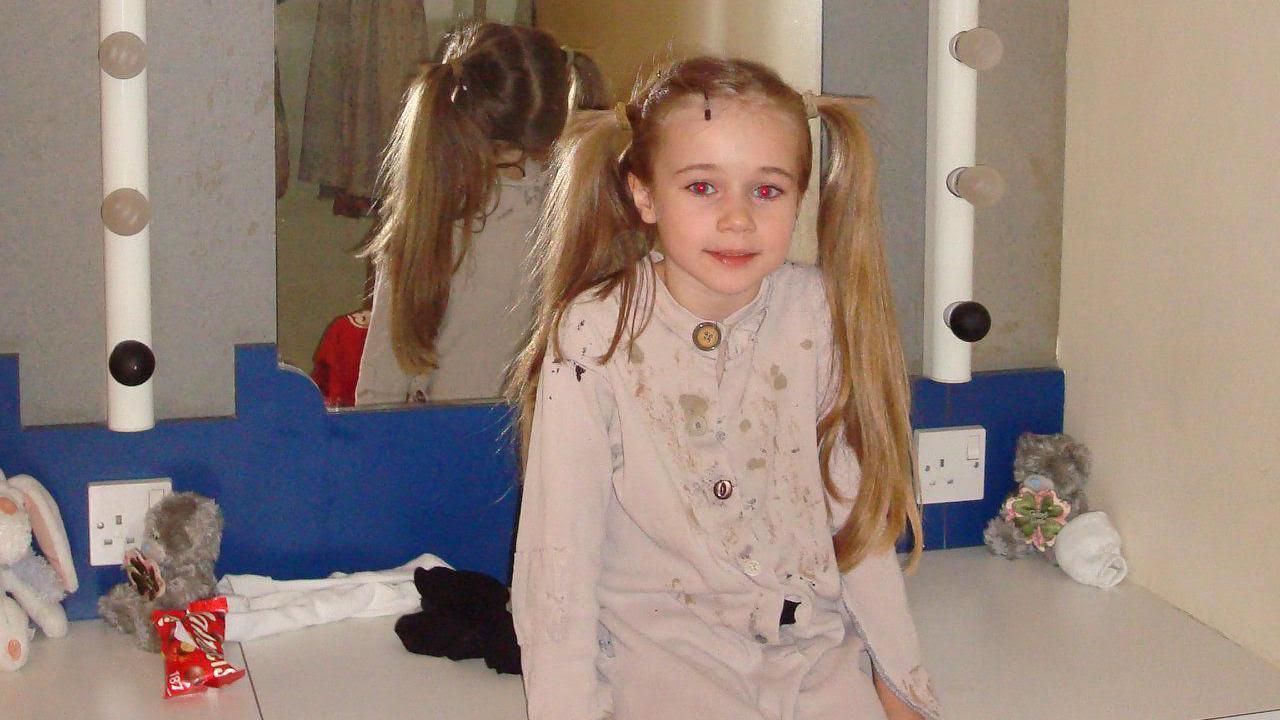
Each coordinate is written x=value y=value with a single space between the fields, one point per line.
x=131 y=363
x=969 y=320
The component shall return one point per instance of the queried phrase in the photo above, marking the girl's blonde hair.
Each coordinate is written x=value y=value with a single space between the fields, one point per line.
x=590 y=239
x=497 y=88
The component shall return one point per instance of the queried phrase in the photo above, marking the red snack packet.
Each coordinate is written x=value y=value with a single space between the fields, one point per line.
x=191 y=642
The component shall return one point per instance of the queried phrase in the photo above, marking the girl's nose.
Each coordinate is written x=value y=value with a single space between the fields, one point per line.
x=736 y=217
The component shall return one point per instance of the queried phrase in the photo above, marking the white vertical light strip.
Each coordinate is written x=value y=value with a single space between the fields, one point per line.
x=130 y=407
x=952 y=128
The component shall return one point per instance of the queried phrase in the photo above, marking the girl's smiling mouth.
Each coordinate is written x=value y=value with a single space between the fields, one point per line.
x=732 y=258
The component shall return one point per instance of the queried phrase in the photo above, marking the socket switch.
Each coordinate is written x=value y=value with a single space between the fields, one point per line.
x=950 y=463
x=116 y=510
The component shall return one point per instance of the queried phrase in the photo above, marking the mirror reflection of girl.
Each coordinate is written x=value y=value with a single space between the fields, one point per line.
x=717 y=459
x=462 y=187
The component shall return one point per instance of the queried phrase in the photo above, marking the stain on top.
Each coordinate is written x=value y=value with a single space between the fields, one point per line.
x=779 y=380
x=694 y=404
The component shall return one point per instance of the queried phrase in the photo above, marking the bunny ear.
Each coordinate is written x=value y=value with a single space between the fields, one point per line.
x=46 y=525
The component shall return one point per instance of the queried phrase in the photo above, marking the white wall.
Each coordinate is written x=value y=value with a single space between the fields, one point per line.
x=1170 y=311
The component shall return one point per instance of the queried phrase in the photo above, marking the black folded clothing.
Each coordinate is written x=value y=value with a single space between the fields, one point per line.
x=464 y=615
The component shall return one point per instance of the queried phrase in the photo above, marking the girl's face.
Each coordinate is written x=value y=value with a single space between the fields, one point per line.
x=724 y=195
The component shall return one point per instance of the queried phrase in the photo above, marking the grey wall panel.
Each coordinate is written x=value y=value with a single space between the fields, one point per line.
x=213 y=255
x=50 y=166
x=1021 y=131
x=879 y=48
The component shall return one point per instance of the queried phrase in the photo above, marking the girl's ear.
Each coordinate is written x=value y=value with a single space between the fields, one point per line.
x=643 y=199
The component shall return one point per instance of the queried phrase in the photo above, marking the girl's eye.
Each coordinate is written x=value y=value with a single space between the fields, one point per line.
x=701 y=188
x=767 y=192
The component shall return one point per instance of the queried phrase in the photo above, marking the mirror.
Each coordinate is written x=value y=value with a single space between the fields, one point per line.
x=327 y=149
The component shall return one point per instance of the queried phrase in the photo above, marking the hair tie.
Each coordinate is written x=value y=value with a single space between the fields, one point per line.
x=810 y=104
x=624 y=122
x=569 y=55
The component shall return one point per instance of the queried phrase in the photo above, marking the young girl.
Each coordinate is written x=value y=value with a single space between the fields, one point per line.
x=462 y=192
x=717 y=441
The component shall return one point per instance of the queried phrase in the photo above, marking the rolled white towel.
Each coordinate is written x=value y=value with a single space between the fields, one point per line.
x=1088 y=549
x=258 y=606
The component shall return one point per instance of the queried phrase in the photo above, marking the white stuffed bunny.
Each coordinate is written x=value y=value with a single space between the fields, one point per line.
x=38 y=584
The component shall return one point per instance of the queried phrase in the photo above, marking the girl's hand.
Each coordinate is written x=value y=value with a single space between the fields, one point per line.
x=894 y=707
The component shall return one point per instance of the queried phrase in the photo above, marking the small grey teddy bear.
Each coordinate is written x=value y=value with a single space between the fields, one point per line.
x=1055 y=462
x=174 y=566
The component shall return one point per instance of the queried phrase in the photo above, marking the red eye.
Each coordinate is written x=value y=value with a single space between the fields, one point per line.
x=701 y=188
x=767 y=192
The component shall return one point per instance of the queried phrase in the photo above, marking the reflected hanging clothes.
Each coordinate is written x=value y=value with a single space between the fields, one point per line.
x=365 y=54
x=282 y=139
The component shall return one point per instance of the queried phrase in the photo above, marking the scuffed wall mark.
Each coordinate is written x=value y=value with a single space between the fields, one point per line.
x=210 y=177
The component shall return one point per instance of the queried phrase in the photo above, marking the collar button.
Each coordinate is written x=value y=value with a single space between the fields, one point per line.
x=706 y=336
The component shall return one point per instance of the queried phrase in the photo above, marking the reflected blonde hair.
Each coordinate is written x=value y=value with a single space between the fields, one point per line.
x=590 y=239
x=497 y=88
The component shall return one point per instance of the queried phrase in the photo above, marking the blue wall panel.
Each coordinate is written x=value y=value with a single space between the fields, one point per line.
x=306 y=492
x=1007 y=404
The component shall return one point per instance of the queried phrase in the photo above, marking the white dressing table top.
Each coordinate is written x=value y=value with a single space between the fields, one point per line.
x=1004 y=641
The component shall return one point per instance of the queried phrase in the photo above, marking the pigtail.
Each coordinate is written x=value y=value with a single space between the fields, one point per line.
x=587 y=88
x=437 y=179
x=584 y=241
x=871 y=409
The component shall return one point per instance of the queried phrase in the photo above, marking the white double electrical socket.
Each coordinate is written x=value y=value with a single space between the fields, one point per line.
x=950 y=463
x=116 y=510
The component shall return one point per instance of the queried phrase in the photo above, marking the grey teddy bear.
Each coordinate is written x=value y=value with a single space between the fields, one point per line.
x=174 y=565
x=1057 y=462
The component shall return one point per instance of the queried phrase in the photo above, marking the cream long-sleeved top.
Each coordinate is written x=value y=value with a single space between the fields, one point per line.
x=673 y=501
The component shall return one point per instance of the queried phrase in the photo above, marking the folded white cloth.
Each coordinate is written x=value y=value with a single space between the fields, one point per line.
x=1088 y=549
x=258 y=605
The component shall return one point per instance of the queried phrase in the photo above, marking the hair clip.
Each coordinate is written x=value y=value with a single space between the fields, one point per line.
x=620 y=111
x=569 y=55
x=810 y=104
x=455 y=69
x=706 y=106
